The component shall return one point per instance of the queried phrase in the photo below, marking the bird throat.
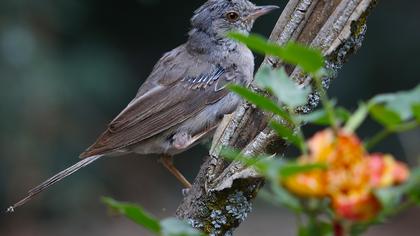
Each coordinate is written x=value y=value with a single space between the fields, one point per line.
x=202 y=42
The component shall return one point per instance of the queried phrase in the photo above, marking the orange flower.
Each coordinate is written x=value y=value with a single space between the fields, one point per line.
x=341 y=150
x=356 y=207
x=344 y=157
x=351 y=175
x=311 y=184
x=385 y=171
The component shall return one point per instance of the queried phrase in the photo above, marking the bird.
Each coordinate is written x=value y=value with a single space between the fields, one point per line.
x=185 y=96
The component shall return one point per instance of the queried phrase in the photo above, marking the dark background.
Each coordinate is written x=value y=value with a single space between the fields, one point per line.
x=68 y=67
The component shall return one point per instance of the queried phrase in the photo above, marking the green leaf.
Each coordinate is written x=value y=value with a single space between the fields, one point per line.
x=400 y=102
x=288 y=134
x=295 y=168
x=175 y=227
x=258 y=43
x=320 y=117
x=268 y=167
x=285 y=198
x=270 y=198
x=316 y=229
x=385 y=116
x=391 y=198
x=265 y=165
x=416 y=111
x=359 y=228
x=236 y=155
x=343 y=114
x=309 y=59
x=413 y=186
x=357 y=118
x=260 y=101
x=285 y=89
x=272 y=168
x=276 y=169
x=135 y=213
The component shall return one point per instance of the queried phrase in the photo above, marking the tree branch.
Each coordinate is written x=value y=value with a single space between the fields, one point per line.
x=221 y=196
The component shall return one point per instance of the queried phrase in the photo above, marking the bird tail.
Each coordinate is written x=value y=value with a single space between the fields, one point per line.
x=56 y=178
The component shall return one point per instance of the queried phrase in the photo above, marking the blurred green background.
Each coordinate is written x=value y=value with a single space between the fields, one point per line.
x=68 y=67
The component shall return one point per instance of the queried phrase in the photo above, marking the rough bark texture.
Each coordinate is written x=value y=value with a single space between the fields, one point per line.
x=221 y=196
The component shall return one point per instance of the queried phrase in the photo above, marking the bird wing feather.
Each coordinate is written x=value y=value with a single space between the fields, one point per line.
x=154 y=110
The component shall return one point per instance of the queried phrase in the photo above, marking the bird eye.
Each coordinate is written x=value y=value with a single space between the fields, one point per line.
x=232 y=16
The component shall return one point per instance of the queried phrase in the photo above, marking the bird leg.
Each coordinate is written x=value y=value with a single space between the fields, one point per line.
x=166 y=160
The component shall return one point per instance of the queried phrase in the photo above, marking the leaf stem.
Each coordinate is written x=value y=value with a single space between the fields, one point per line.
x=381 y=135
x=303 y=146
x=326 y=103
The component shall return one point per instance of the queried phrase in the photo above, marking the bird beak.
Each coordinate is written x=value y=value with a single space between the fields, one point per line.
x=261 y=10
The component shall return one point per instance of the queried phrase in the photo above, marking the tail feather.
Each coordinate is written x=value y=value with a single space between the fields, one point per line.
x=56 y=178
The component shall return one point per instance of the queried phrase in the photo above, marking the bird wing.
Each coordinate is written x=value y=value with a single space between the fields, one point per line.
x=178 y=88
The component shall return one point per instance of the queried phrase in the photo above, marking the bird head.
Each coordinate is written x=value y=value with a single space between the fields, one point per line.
x=218 y=17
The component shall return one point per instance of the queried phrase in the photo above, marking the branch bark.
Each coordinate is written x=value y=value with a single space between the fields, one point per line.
x=221 y=196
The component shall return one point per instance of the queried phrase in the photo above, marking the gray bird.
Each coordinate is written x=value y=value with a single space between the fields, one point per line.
x=184 y=98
